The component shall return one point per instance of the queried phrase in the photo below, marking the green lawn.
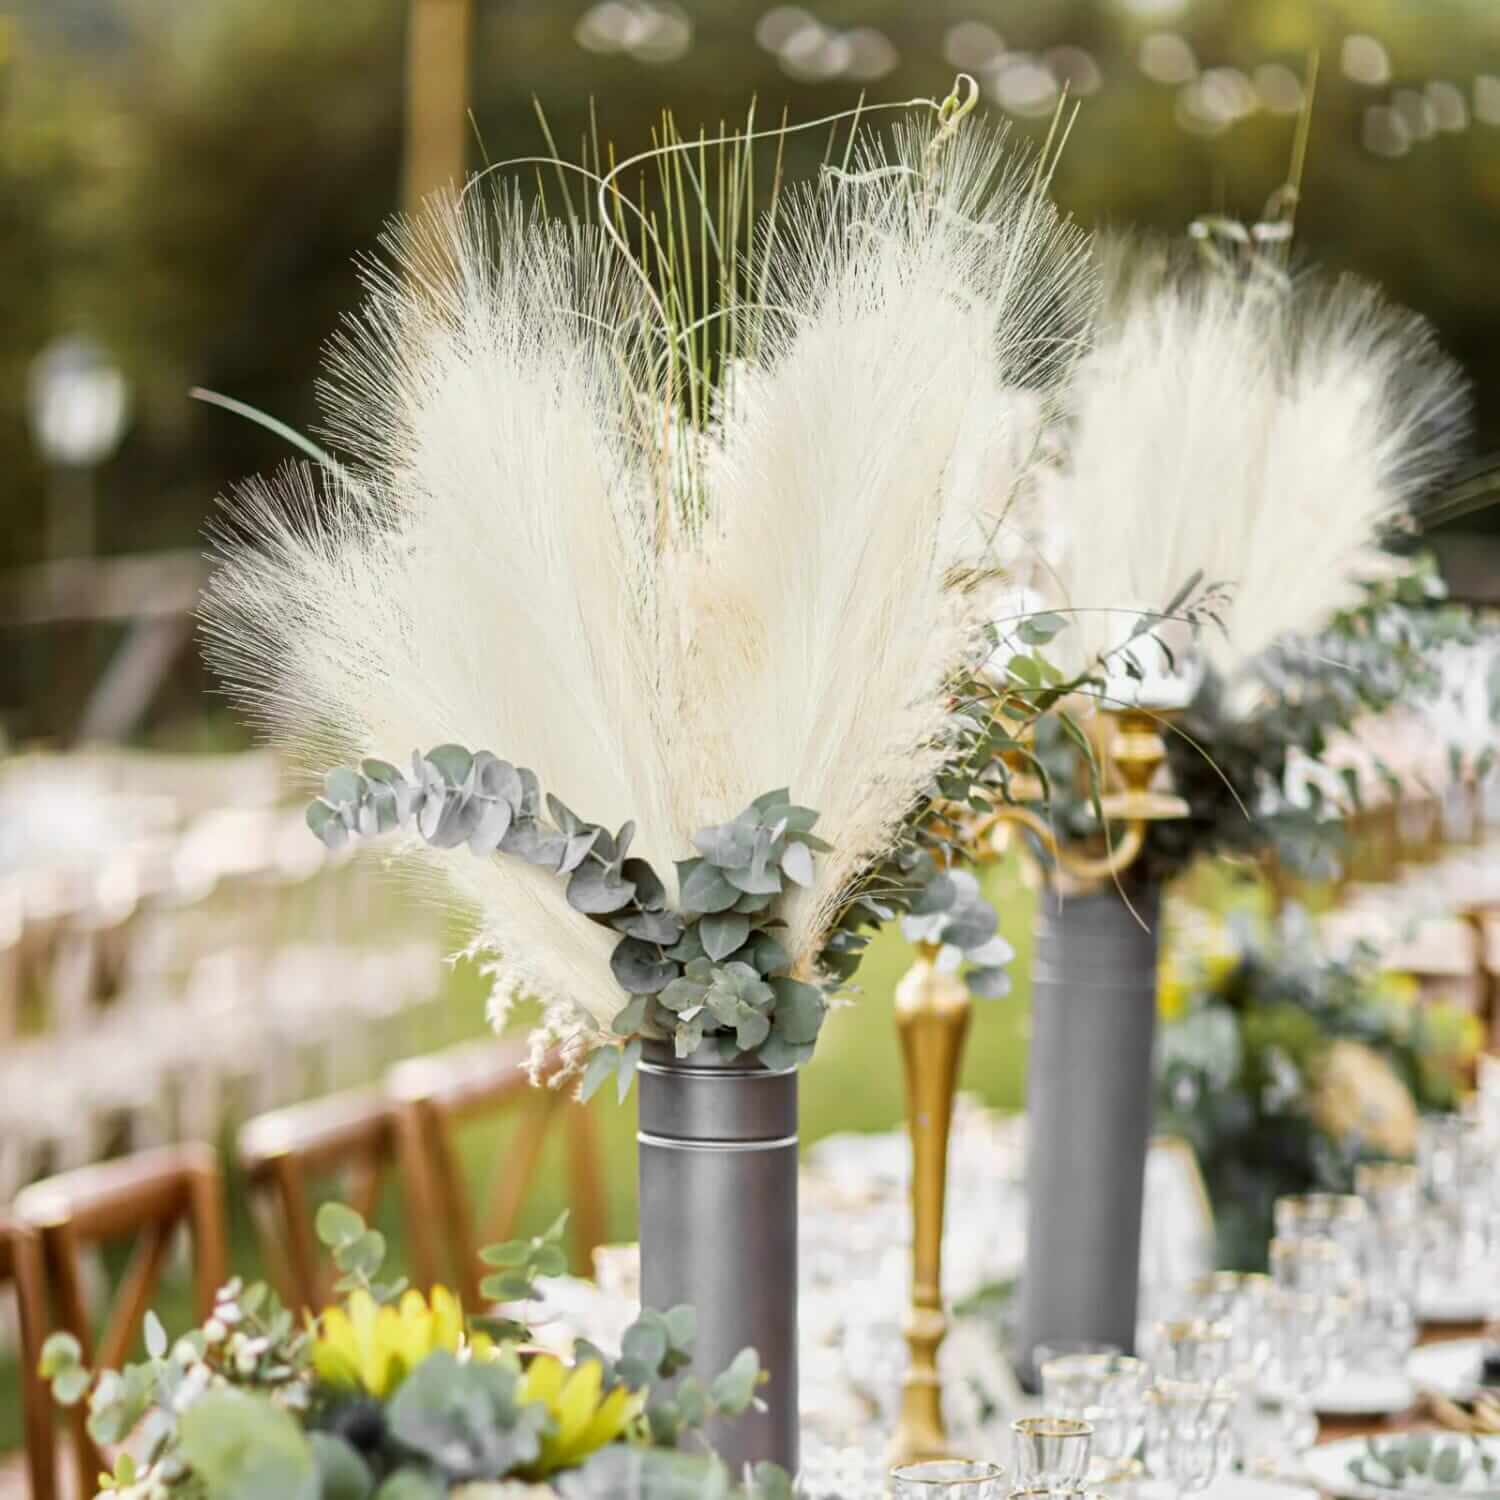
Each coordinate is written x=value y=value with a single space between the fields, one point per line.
x=854 y=1084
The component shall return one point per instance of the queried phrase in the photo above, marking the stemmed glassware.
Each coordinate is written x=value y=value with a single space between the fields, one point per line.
x=1187 y=1433
x=1192 y=1349
x=1393 y=1260
x=1051 y=1452
x=1241 y=1301
x=948 y=1479
x=1454 y=1158
x=1108 y=1392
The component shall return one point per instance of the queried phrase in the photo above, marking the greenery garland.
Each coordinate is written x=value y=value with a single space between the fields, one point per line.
x=712 y=971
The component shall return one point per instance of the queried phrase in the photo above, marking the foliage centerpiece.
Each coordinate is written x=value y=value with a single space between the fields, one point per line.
x=392 y=1394
x=1284 y=1068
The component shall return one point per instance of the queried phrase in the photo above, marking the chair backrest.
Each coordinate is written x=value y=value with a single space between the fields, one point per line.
x=148 y=1196
x=350 y=1137
x=483 y=1079
x=21 y=1266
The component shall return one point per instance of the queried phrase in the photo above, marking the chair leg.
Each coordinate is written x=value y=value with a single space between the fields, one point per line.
x=36 y=1399
x=63 y=1255
x=425 y=1219
x=210 y=1233
x=587 y=1185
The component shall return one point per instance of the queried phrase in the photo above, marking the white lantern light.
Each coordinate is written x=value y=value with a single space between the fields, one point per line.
x=77 y=401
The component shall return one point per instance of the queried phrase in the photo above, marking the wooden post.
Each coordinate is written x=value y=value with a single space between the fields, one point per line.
x=437 y=97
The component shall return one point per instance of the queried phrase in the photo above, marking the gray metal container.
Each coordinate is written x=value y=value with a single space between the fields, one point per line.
x=718 y=1225
x=1088 y=1114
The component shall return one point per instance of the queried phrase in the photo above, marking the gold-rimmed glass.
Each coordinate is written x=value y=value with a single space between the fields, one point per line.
x=1192 y=1349
x=1343 y=1218
x=1187 y=1433
x=1108 y=1392
x=1051 y=1452
x=1319 y=1267
x=1392 y=1190
x=948 y=1479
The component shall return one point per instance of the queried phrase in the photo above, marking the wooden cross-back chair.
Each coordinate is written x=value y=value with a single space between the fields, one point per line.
x=21 y=1268
x=487 y=1078
x=148 y=1196
x=350 y=1137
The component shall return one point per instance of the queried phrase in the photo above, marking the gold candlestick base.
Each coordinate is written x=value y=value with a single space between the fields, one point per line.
x=932 y=1021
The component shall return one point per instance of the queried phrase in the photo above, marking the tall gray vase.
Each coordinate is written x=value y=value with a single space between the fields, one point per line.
x=718 y=1215
x=1088 y=1117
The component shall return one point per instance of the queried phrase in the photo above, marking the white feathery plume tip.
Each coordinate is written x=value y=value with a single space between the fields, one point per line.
x=534 y=552
x=1263 y=436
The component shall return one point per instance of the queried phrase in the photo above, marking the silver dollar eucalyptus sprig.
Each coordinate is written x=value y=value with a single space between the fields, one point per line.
x=714 y=969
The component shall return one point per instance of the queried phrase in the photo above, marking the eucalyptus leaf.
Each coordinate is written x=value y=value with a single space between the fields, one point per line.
x=601 y=1064
x=241 y=1447
x=664 y=928
x=682 y=994
x=630 y=1020
x=800 y=1009
x=689 y=1036
x=453 y=762
x=597 y=891
x=733 y=1390
x=723 y=933
x=630 y=1057
x=342 y=1473
x=705 y=888
x=638 y=969
x=649 y=890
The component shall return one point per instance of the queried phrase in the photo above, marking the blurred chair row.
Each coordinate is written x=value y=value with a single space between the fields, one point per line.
x=401 y=1134
x=221 y=969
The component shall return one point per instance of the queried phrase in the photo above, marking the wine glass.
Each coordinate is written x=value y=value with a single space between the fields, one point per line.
x=1187 y=1433
x=1108 y=1392
x=1198 y=1349
x=947 y=1479
x=1051 y=1452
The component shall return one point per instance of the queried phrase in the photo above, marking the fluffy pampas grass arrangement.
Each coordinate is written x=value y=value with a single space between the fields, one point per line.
x=552 y=537
x=1258 y=431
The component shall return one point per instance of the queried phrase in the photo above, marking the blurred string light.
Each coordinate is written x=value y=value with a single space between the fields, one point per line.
x=1365 y=61
x=1385 y=132
x=1167 y=58
x=1076 y=69
x=1417 y=112
x=1154 y=10
x=814 y=53
x=1023 y=85
x=972 y=46
x=1449 y=107
x=1279 y=88
x=647 y=30
x=1215 y=101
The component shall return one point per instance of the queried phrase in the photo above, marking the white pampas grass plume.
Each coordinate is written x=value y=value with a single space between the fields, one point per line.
x=1263 y=436
x=535 y=552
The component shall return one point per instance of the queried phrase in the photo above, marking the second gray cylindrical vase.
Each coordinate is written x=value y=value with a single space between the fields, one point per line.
x=718 y=1227
x=1088 y=1117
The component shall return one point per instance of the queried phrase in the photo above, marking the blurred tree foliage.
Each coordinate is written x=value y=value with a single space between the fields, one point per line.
x=191 y=182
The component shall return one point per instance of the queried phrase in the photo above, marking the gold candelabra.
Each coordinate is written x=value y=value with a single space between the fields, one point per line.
x=933 y=1009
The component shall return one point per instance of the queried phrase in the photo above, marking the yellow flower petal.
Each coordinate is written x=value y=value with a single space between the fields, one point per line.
x=577 y=1404
x=335 y=1352
x=447 y=1320
x=543 y=1379
x=618 y=1410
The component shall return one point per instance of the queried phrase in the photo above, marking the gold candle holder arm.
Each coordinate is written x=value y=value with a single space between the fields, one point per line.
x=1118 y=858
